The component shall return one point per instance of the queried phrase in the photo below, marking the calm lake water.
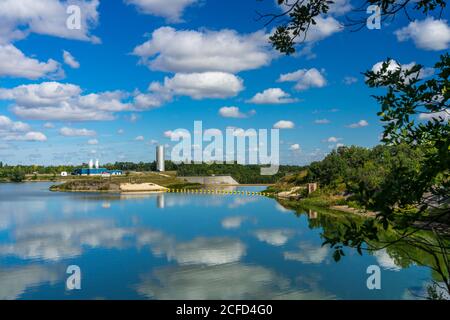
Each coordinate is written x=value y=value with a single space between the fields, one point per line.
x=178 y=246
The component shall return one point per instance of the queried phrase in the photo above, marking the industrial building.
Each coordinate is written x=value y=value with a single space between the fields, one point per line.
x=160 y=159
x=96 y=171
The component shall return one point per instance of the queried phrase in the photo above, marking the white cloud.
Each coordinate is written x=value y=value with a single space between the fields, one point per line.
x=190 y=51
x=284 y=124
x=70 y=60
x=34 y=136
x=338 y=7
x=71 y=132
x=444 y=115
x=231 y=112
x=143 y=101
x=428 y=34
x=305 y=78
x=359 y=124
x=120 y=131
x=172 y=11
x=322 y=121
x=323 y=28
x=93 y=142
x=349 y=80
x=18 y=18
x=29 y=136
x=175 y=135
x=52 y=101
x=18 y=131
x=13 y=63
x=132 y=117
x=333 y=139
x=200 y=85
x=272 y=96
x=6 y=124
x=295 y=147
x=239 y=132
x=139 y=138
x=46 y=93
x=49 y=125
x=394 y=66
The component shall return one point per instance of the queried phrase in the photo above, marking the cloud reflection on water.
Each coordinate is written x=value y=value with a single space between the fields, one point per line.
x=226 y=281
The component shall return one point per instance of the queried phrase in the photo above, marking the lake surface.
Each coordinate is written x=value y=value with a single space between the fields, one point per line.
x=180 y=246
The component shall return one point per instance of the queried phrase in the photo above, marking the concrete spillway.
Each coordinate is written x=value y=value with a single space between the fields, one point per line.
x=211 y=180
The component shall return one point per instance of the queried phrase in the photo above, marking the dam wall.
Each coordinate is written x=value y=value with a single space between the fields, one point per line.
x=211 y=180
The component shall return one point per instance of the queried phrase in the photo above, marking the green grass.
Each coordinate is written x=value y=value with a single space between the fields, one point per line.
x=85 y=183
x=190 y=186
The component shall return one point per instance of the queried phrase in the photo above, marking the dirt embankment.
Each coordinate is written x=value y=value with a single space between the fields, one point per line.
x=87 y=186
x=106 y=186
x=141 y=187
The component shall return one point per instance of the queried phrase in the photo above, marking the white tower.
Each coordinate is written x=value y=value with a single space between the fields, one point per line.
x=160 y=158
x=91 y=164
x=96 y=164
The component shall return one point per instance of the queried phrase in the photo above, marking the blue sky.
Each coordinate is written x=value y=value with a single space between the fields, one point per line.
x=199 y=56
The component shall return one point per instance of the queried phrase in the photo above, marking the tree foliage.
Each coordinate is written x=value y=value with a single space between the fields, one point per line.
x=246 y=174
x=408 y=95
x=413 y=169
x=382 y=178
x=298 y=16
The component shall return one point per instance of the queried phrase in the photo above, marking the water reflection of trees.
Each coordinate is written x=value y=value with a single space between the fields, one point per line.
x=406 y=247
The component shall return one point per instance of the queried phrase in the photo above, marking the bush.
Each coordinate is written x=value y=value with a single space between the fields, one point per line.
x=16 y=176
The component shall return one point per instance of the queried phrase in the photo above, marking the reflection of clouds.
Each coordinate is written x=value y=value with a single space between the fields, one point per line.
x=106 y=205
x=308 y=253
x=58 y=240
x=137 y=195
x=280 y=208
x=241 y=201
x=420 y=292
x=385 y=260
x=208 y=251
x=181 y=200
x=19 y=212
x=82 y=206
x=233 y=222
x=13 y=283
x=275 y=237
x=227 y=281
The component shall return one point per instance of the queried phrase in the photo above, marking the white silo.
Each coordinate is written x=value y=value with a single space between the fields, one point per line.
x=160 y=158
x=91 y=164
x=96 y=164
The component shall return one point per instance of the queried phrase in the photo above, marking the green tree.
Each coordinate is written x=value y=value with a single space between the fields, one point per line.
x=298 y=16
x=423 y=184
x=17 y=175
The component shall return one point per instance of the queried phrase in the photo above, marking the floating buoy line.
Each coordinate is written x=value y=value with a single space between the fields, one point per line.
x=215 y=191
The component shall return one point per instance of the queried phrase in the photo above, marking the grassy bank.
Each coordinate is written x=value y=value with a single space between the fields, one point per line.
x=112 y=184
